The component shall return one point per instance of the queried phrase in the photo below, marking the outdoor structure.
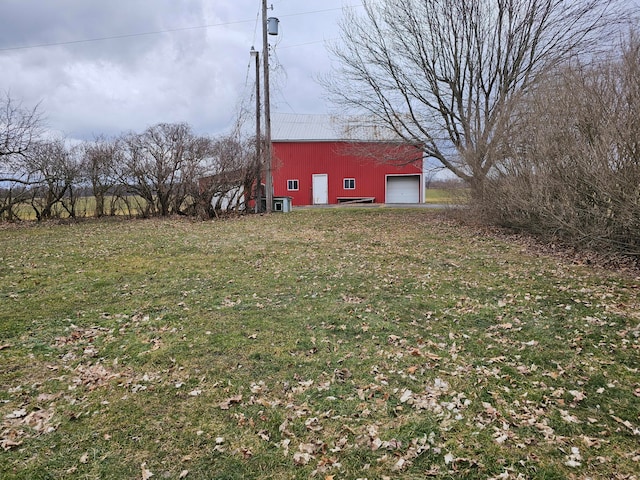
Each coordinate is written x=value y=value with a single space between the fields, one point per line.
x=226 y=191
x=318 y=159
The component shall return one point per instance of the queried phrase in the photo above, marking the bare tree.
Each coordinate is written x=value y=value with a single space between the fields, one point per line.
x=196 y=155
x=19 y=129
x=71 y=167
x=101 y=159
x=55 y=170
x=449 y=74
x=160 y=165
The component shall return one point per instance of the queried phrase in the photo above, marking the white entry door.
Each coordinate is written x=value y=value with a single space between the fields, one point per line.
x=320 y=187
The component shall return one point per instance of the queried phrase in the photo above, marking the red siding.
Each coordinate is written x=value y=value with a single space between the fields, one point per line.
x=339 y=160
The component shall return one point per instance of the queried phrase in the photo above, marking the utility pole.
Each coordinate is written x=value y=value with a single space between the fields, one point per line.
x=267 y=109
x=258 y=208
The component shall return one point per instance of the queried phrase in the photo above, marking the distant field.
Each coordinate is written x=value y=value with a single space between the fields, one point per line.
x=445 y=196
x=329 y=344
x=85 y=207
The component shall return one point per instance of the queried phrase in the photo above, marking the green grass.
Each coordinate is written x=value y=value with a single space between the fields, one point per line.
x=446 y=196
x=356 y=343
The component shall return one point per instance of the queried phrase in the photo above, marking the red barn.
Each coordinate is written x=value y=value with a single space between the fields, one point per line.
x=319 y=159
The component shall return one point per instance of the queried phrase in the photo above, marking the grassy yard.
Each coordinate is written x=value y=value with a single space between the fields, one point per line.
x=446 y=196
x=330 y=344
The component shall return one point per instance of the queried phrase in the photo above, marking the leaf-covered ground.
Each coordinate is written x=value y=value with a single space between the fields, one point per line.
x=331 y=344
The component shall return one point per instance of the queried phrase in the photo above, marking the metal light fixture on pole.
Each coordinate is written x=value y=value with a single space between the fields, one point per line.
x=258 y=207
x=267 y=110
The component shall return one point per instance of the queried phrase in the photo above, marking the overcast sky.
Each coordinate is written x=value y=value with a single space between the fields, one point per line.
x=198 y=71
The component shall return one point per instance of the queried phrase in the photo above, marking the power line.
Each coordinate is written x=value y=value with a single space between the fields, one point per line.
x=309 y=43
x=320 y=11
x=158 y=32
x=128 y=35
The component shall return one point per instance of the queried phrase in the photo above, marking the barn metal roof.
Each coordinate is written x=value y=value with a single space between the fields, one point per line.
x=326 y=128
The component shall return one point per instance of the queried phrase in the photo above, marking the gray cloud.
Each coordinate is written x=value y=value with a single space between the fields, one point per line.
x=192 y=74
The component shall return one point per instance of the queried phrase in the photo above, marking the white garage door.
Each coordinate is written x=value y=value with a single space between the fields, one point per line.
x=403 y=189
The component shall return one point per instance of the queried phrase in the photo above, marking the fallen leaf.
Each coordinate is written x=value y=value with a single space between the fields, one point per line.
x=16 y=414
x=313 y=425
x=39 y=420
x=307 y=447
x=47 y=397
x=183 y=473
x=406 y=395
x=574 y=460
x=399 y=465
x=8 y=444
x=301 y=458
x=432 y=356
x=283 y=428
x=146 y=474
x=628 y=424
x=567 y=417
x=84 y=458
x=489 y=409
x=577 y=395
x=285 y=446
x=226 y=404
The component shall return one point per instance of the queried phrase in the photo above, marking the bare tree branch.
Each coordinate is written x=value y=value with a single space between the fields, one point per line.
x=449 y=74
x=19 y=130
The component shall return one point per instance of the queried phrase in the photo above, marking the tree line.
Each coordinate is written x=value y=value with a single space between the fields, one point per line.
x=165 y=170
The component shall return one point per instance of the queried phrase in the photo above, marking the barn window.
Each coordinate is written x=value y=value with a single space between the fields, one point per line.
x=349 y=183
x=292 y=185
